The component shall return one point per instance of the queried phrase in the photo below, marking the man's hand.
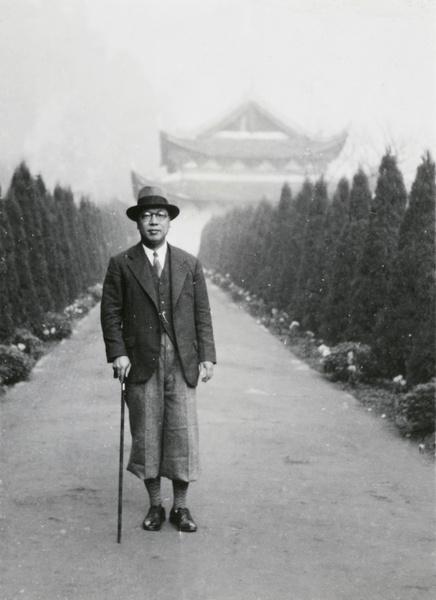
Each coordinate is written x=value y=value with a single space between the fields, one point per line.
x=206 y=370
x=121 y=367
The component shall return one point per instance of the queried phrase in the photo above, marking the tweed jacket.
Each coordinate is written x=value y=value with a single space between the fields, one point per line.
x=130 y=314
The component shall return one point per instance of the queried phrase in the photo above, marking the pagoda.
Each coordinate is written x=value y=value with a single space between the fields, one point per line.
x=247 y=156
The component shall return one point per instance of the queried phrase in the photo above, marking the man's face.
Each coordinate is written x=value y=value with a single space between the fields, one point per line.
x=153 y=225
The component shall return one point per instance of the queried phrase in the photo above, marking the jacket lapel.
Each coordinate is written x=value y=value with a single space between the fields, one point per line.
x=140 y=269
x=179 y=270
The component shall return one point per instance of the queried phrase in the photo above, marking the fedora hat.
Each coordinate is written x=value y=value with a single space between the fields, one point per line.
x=152 y=196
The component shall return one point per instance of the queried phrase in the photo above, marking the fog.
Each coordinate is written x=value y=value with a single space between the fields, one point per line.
x=85 y=85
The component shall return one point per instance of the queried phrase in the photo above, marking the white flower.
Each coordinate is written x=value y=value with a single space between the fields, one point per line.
x=294 y=325
x=352 y=368
x=21 y=347
x=350 y=357
x=53 y=330
x=399 y=379
x=46 y=332
x=324 y=350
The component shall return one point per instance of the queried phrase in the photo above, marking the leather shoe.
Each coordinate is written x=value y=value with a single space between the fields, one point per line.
x=181 y=517
x=154 y=519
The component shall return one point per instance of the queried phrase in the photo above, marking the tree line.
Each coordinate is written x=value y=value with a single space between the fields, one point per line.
x=51 y=249
x=357 y=267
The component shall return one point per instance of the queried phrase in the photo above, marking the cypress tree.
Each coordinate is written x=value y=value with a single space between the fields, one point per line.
x=378 y=255
x=336 y=216
x=344 y=266
x=260 y=270
x=96 y=241
x=50 y=235
x=310 y=284
x=31 y=314
x=280 y=228
x=66 y=276
x=285 y=201
x=210 y=243
x=70 y=275
x=293 y=248
x=25 y=193
x=13 y=311
x=6 y=324
x=6 y=314
x=406 y=330
x=117 y=229
x=239 y=249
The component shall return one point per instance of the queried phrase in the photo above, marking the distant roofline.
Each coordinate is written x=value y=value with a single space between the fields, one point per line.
x=238 y=109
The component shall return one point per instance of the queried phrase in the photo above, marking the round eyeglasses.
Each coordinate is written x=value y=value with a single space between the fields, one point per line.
x=160 y=216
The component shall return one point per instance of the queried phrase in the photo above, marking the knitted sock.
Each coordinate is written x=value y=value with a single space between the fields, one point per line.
x=153 y=489
x=180 y=490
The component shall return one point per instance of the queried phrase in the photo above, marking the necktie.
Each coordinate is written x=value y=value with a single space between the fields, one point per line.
x=156 y=265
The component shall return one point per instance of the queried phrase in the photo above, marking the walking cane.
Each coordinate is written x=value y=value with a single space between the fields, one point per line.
x=120 y=475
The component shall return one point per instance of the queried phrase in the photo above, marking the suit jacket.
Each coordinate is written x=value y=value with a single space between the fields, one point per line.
x=130 y=317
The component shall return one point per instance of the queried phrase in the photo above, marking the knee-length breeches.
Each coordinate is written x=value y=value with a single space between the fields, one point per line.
x=163 y=422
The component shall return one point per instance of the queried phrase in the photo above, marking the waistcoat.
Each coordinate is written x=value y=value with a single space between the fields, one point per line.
x=163 y=292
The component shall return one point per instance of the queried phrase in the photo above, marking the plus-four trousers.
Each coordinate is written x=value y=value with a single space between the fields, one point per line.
x=163 y=422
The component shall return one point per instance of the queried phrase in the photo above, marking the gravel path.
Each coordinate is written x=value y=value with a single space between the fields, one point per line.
x=304 y=495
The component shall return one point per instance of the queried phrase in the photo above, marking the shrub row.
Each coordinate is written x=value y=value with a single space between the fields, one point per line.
x=356 y=267
x=348 y=362
x=52 y=248
x=20 y=353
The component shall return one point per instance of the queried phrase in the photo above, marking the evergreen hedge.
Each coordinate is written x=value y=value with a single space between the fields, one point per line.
x=52 y=249
x=359 y=269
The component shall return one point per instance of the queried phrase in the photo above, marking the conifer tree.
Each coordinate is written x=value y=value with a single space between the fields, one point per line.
x=31 y=314
x=285 y=200
x=117 y=230
x=96 y=241
x=6 y=324
x=13 y=310
x=293 y=248
x=50 y=237
x=337 y=309
x=310 y=276
x=280 y=228
x=25 y=193
x=67 y=277
x=336 y=216
x=379 y=251
x=406 y=330
x=261 y=268
x=210 y=243
x=239 y=249
x=6 y=315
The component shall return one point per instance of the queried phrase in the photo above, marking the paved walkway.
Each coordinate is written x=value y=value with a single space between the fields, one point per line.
x=304 y=495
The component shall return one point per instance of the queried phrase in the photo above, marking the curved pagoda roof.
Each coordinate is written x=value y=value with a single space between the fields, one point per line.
x=250 y=133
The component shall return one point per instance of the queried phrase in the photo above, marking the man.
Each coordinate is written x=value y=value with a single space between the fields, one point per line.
x=158 y=334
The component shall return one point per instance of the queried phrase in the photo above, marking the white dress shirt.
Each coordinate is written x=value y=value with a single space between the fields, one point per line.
x=161 y=254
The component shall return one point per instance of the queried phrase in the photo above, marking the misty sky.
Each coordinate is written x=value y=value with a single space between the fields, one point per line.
x=85 y=85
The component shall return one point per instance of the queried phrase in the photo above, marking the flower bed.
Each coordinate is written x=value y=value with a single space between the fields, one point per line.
x=351 y=365
x=19 y=353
